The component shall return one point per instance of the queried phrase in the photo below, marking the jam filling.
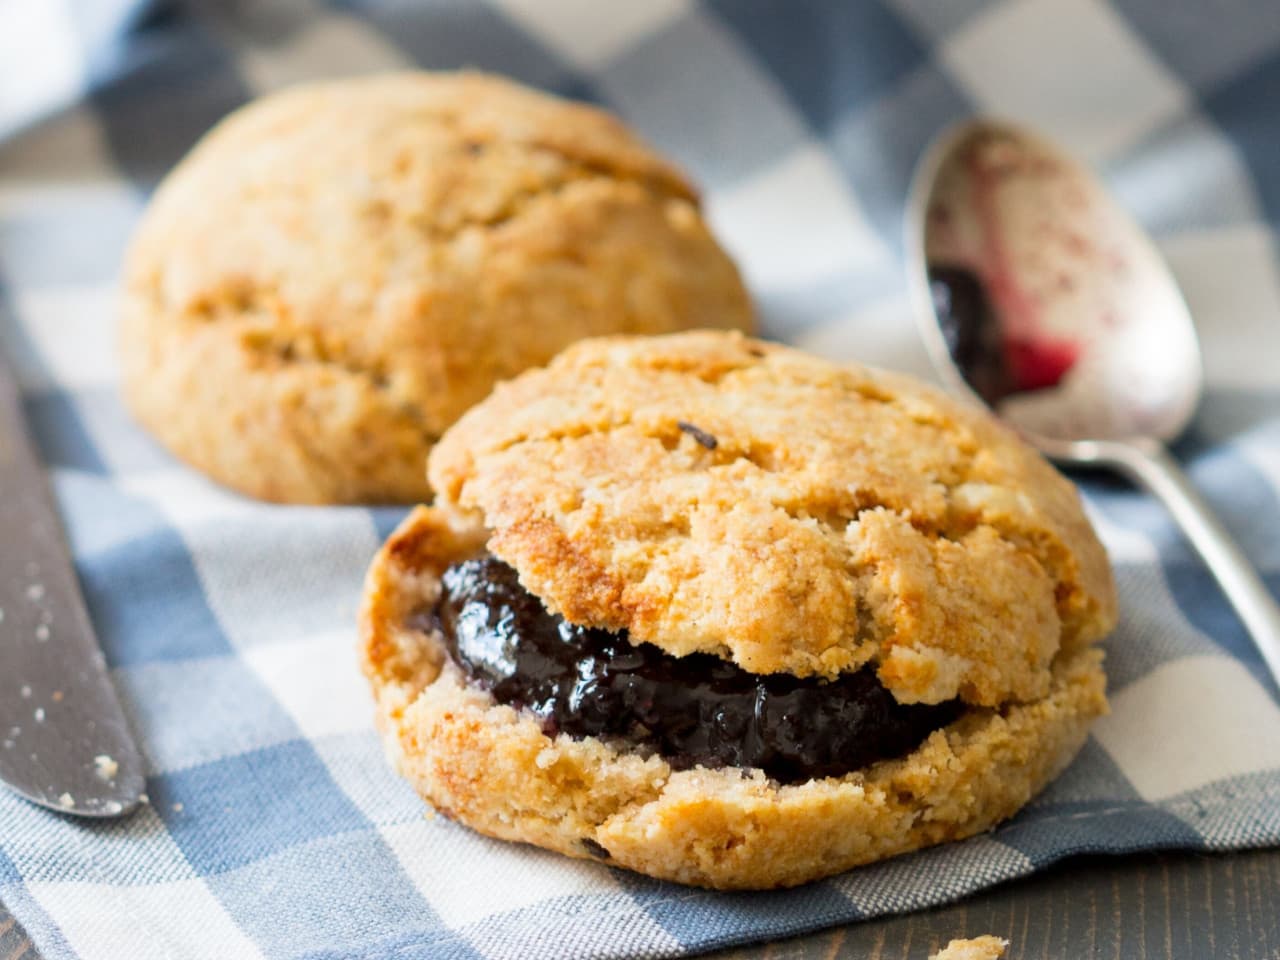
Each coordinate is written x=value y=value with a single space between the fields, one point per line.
x=692 y=710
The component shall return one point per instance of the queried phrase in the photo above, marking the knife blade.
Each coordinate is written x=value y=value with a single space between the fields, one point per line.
x=64 y=739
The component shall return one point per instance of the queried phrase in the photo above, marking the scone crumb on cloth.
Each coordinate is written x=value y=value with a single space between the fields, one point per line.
x=979 y=948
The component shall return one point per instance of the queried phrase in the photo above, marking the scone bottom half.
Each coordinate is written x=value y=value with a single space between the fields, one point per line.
x=530 y=722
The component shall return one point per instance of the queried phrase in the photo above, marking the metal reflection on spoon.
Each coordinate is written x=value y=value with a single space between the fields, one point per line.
x=1039 y=296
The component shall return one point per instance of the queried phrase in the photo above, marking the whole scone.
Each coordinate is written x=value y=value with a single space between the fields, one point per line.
x=724 y=613
x=336 y=272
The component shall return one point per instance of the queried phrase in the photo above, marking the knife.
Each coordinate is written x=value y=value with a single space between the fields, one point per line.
x=64 y=739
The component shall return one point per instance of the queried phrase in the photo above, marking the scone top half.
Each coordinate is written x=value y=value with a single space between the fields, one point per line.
x=711 y=493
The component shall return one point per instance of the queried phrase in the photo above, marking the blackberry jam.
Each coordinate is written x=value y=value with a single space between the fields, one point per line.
x=692 y=710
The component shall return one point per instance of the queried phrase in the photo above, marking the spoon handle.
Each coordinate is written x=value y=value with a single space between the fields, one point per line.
x=1153 y=468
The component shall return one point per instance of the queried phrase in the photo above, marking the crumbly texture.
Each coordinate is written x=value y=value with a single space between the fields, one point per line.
x=337 y=272
x=492 y=768
x=979 y=948
x=709 y=492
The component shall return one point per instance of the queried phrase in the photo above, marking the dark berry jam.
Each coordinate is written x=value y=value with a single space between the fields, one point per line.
x=692 y=710
x=971 y=331
x=993 y=364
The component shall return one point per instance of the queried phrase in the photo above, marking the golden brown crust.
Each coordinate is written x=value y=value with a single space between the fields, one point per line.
x=493 y=769
x=708 y=492
x=336 y=272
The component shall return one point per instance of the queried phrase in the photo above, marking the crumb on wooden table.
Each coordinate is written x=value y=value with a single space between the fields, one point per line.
x=979 y=948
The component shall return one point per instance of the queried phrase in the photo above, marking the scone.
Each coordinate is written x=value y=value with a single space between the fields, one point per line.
x=724 y=613
x=338 y=271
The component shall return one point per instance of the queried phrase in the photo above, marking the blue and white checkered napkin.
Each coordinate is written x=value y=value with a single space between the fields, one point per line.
x=275 y=827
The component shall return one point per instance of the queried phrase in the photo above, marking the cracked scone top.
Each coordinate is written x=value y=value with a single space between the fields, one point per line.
x=710 y=493
x=338 y=271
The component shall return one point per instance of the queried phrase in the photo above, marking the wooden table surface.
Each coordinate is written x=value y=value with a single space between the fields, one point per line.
x=1170 y=906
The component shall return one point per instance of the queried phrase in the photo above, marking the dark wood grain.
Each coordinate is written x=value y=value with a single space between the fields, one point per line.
x=1170 y=906
x=13 y=942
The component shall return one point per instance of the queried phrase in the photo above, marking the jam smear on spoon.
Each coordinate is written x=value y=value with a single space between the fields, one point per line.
x=995 y=364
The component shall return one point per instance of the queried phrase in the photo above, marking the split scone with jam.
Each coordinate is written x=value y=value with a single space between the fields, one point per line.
x=724 y=613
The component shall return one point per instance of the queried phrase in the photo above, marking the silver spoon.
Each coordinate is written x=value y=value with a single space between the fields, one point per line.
x=1037 y=295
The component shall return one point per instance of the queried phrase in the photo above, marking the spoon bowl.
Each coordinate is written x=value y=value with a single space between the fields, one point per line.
x=1091 y=337
x=1037 y=295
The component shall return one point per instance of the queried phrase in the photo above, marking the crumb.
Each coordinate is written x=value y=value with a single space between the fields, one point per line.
x=143 y=798
x=25 y=691
x=979 y=948
x=56 y=696
x=105 y=767
x=67 y=801
x=178 y=808
x=39 y=714
x=35 y=591
x=546 y=758
x=42 y=633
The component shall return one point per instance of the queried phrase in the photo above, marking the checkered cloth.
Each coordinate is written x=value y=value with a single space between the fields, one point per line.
x=275 y=828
